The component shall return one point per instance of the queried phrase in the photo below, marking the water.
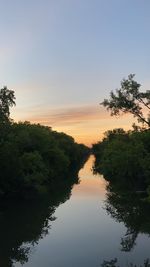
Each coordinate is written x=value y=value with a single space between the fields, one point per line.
x=72 y=230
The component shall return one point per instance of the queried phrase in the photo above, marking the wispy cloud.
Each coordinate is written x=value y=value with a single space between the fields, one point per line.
x=66 y=115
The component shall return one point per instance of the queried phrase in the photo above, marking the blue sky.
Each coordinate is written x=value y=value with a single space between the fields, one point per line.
x=64 y=57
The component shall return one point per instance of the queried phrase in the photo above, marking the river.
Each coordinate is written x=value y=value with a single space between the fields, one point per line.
x=74 y=231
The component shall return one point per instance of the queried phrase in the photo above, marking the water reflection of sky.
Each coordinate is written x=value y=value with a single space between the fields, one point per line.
x=90 y=186
x=83 y=235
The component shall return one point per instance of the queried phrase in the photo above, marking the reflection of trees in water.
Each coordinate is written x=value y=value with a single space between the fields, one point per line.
x=131 y=209
x=113 y=263
x=23 y=224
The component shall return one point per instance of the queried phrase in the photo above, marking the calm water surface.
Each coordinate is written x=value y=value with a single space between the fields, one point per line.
x=74 y=230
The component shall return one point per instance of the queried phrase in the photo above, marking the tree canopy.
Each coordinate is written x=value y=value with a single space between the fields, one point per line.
x=7 y=100
x=129 y=99
x=33 y=157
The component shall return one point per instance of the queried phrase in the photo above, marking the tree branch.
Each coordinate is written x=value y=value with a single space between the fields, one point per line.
x=141 y=100
x=141 y=118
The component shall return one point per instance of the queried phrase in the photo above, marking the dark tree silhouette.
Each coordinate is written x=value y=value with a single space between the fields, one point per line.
x=128 y=99
x=7 y=100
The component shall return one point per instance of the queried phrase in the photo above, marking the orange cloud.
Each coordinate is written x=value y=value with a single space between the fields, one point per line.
x=66 y=115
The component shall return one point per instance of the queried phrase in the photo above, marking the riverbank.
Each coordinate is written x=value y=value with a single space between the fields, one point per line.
x=123 y=158
x=34 y=157
x=75 y=227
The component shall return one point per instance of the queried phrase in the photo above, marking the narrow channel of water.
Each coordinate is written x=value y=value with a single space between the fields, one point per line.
x=80 y=232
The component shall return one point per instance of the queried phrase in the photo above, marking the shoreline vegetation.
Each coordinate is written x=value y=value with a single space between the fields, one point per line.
x=33 y=158
x=123 y=158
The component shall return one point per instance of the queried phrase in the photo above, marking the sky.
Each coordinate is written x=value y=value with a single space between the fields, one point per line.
x=63 y=57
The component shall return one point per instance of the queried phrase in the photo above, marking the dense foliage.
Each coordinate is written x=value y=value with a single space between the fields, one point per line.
x=124 y=158
x=32 y=156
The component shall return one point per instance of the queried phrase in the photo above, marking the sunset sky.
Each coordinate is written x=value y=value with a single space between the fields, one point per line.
x=62 y=58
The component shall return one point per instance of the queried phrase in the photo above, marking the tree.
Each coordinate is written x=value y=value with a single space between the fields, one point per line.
x=7 y=100
x=128 y=99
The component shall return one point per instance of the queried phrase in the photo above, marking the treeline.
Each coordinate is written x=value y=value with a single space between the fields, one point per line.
x=33 y=158
x=124 y=159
